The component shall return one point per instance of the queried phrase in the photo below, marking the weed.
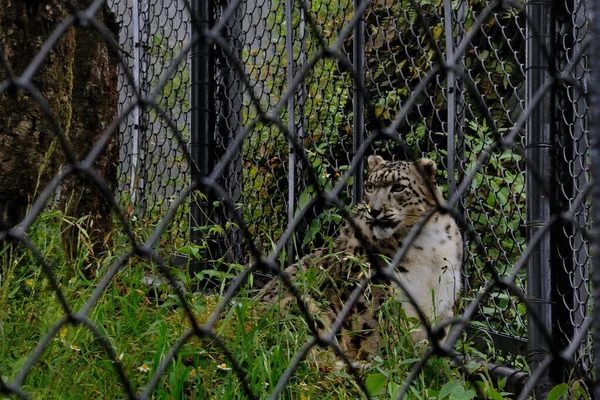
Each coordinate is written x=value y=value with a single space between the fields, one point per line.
x=142 y=323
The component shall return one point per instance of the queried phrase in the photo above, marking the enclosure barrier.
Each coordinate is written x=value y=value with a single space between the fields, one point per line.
x=282 y=96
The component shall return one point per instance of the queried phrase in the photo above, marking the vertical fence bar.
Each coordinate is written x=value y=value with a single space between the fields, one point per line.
x=289 y=48
x=456 y=116
x=300 y=185
x=539 y=151
x=570 y=163
x=145 y=81
x=454 y=25
x=461 y=16
x=358 y=54
x=580 y=284
x=302 y=59
x=452 y=92
x=202 y=122
x=595 y=170
x=136 y=112
x=302 y=94
x=231 y=109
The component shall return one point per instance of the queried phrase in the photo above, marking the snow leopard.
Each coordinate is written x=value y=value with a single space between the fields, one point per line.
x=397 y=196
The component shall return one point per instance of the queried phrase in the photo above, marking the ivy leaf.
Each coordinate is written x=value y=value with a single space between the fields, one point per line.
x=456 y=391
x=449 y=388
x=375 y=383
x=465 y=395
x=379 y=111
x=490 y=391
x=559 y=392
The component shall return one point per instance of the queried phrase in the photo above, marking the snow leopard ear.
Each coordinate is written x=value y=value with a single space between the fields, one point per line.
x=374 y=161
x=428 y=168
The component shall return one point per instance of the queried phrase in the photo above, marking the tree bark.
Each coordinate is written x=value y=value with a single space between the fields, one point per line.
x=29 y=152
x=79 y=80
x=94 y=105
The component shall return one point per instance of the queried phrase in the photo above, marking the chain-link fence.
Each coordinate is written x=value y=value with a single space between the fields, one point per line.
x=243 y=130
x=153 y=170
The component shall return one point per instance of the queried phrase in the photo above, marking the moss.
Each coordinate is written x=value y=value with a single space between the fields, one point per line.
x=60 y=73
x=29 y=155
x=79 y=81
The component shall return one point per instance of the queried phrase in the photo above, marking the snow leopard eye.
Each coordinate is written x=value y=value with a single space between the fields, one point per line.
x=368 y=187
x=398 y=187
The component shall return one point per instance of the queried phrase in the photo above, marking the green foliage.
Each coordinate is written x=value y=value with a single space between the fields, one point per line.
x=495 y=207
x=559 y=392
x=455 y=390
x=161 y=170
x=142 y=323
x=376 y=383
x=573 y=390
x=322 y=124
x=399 y=54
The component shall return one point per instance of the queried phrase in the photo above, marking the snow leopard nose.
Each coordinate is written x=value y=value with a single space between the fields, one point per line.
x=375 y=212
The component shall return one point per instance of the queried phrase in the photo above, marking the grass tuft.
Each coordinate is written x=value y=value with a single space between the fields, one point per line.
x=142 y=323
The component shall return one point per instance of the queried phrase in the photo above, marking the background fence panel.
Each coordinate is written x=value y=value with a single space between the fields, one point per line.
x=153 y=171
x=453 y=120
x=276 y=99
x=455 y=116
x=572 y=158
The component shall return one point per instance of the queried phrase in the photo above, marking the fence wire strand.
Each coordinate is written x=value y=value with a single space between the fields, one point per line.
x=168 y=122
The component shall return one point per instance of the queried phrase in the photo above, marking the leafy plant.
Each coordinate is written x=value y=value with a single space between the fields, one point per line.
x=142 y=320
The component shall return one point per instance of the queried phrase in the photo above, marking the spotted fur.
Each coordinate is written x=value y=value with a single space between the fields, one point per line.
x=397 y=196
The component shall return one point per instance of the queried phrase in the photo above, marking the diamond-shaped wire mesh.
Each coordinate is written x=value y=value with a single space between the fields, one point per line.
x=291 y=121
x=153 y=170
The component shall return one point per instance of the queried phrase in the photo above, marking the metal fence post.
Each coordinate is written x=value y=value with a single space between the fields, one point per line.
x=539 y=152
x=595 y=170
x=358 y=54
x=452 y=92
x=291 y=122
x=455 y=95
x=301 y=124
x=571 y=294
x=456 y=110
x=145 y=158
x=230 y=99
x=202 y=122
x=139 y=156
x=135 y=156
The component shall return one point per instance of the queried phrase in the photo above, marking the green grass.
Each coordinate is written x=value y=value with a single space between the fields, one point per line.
x=142 y=325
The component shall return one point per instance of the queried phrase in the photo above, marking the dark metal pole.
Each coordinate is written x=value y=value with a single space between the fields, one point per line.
x=572 y=276
x=460 y=161
x=143 y=122
x=301 y=229
x=291 y=105
x=454 y=27
x=580 y=288
x=594 y=53
x=231 y=125
x=202 y=120
x=358 y=54
x=452 y=91
x=539 y=151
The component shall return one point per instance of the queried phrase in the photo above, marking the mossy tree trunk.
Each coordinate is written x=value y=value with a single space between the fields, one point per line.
x=79 y=80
